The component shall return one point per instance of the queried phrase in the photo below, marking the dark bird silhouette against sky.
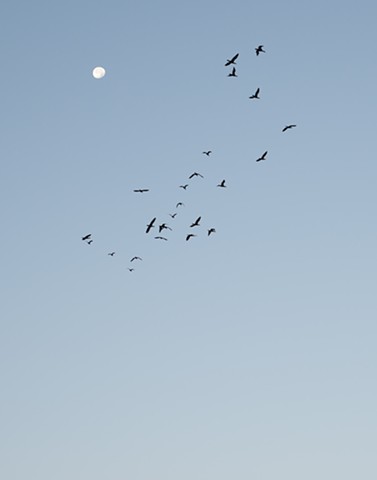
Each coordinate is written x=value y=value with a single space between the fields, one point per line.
x=190 y=235
x=208 y=153
x=86 y=237
x=211 y=230
x=131 y=269
x=180 y=204
x=89 y=242
x=141 y=190
x=150 y=225
x=184 y=186
x=259 y=50
x=196 y=223
x=232 y=61
x=262 y=157
x=111 y=254
x=195 y=174
x=163 y=226
x=135 y=258
x=161 y=238
x=287 y=127
x=173 y=215
x=222 y=184
x=256 y=94
x=233 y=73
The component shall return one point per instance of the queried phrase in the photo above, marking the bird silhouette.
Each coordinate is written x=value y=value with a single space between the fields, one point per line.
x=89 y=242
x=141 y=190
x=190 y=235
x=131 y=269
x=256 y=94
x=232 y=61
x=208 y=153
x=195 y=174
x=211 y=230
x=150 y=225
x=222 y=184
x=233 y=73
x=161 y=238
x=184 y=186
x=262 y=157
x=180 y=204
x=135 y=258
x=111 y=254
x=86 y=237
x=287 y=127
x=259 y=50
x=196 y=223
x=173 y=215
x=163 y=226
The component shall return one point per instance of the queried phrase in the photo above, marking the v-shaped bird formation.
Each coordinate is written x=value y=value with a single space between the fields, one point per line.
x=196 y=225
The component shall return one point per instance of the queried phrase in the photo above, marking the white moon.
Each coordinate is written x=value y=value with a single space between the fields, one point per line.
x=98 y=72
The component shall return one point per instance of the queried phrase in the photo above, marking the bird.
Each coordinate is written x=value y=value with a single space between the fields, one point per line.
x=195 y=174
x=208 y=153
x=163 y=226
x=161 y=238
x=111 y=254
x=232 y=61
x=211 y=230
x=184 y=186
x=135 y=258
x=173 y=215
x=179 y=204
x=233 y=73
x=222 y=184
x=262 y=157
x=131 y=269
x=141 y=190
x=189 y=236
x=89 y=242
x=256 y=94
x=86 y=237
x=287 y=127
x=259 y=50
x=196 y=223
x=150 y=225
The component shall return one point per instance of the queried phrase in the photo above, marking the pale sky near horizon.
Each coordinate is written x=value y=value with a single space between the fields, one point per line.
x=249 y=354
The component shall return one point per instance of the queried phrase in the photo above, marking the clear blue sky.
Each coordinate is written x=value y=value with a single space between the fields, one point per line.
x=249 y=354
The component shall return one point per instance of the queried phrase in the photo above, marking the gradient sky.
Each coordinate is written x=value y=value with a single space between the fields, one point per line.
x=250 y=354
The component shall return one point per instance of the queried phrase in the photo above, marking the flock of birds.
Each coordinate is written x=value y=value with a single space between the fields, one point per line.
x=162 y=227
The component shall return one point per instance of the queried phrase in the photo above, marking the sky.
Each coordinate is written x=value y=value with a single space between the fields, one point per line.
x=246 y=354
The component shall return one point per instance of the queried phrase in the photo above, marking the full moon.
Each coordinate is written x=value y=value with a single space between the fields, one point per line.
x=98 y=72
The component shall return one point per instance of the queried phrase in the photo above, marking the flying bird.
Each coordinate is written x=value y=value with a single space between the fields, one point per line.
x=222 y=184
x=259 y=50
x=190 y=235
x=195 y=174
x=131 y=269
x=87 y=237
x=233 y=73
x=184 y=186
x=150 y=225
x=163 y=226
x=196 y=223
x=232 y=61
x=179 y=204
x=89 y=242
x=262 y=157
x=208 y=153
x=211 y=230
x=256 y=94
x=161 y=238
x=287 y=127
x=135 y=258
x=173 y=215
x=111 y=254
x=141 y=190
